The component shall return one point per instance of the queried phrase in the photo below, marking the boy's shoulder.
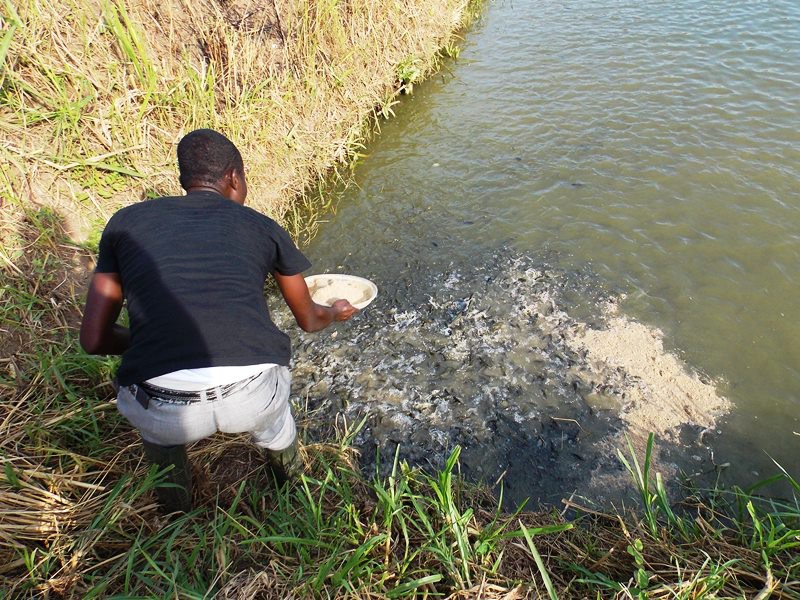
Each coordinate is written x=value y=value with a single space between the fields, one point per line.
x=143 y=206
x=163 y=208
x=265 y=221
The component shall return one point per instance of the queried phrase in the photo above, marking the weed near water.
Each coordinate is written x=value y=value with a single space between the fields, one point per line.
x=715 y=543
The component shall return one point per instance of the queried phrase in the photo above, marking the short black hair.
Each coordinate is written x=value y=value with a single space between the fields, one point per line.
x=205 y=156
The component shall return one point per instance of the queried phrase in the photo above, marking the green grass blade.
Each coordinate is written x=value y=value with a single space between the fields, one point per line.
x=548 y=583
x=407 y=589
x=5 y=44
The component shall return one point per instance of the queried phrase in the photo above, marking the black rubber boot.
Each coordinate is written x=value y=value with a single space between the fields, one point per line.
x=177 y=496
x=285 y=464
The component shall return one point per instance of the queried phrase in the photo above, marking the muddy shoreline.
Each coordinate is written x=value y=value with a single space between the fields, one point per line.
x=528 y=368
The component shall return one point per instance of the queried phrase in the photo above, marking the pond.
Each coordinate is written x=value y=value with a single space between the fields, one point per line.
x=577 y=156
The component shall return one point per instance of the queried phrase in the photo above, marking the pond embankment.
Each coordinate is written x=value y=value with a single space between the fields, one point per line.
x=96 y=94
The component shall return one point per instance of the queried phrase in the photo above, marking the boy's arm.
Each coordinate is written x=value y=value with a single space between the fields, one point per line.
x=309 y=315
x=100 y=333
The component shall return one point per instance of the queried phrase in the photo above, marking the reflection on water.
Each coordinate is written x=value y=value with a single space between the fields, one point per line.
x=655 y=144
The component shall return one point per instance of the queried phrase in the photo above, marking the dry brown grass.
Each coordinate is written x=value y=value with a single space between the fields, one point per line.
x=96 y=94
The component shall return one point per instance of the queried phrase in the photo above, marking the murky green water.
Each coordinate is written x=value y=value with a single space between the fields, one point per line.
x=656 y=143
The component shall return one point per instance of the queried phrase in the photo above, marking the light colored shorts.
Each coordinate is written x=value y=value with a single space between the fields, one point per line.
x=258 y=405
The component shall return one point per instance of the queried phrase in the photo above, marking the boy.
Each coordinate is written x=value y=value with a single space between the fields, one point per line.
x=202 y=354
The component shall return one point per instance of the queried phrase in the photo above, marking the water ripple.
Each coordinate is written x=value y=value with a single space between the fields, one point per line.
x=656 y=141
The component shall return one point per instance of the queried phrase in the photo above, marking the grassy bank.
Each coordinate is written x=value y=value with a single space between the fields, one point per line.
x=94 y=97
x=96 y=94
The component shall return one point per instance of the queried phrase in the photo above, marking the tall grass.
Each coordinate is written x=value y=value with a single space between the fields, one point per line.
x=94 y=95
x=717 y=543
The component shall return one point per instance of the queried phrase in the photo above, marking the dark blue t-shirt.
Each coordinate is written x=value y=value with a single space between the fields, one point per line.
x=193 y=270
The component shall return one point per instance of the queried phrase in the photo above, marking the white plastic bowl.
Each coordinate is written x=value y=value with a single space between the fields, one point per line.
x=326 y=289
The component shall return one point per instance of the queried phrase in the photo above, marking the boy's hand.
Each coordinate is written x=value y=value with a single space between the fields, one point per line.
x=309 y=315
x=343 y=310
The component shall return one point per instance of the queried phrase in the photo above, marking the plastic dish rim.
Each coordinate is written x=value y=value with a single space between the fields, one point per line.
x=343 y=276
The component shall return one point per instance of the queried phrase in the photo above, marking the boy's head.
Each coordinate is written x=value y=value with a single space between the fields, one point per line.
x=207 y=158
